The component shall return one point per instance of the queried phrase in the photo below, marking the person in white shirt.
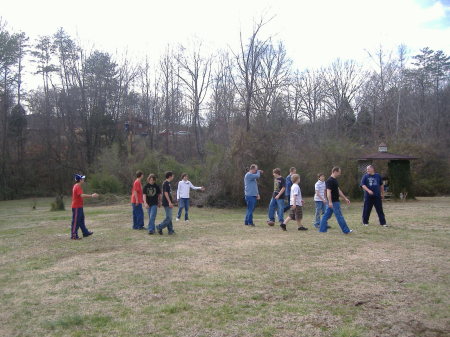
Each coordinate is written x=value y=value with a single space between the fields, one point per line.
x=184 y=187
x=320 y=198
x=296 y=202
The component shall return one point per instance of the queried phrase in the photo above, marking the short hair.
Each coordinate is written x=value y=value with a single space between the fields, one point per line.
x=335 y=169
x=183 y=175
x=295 y=178
x=139 y=173
x=320 y=174
x=276 y=171
x=253 y=166
x=151 y=176
x=169 y=174
x=292 y=169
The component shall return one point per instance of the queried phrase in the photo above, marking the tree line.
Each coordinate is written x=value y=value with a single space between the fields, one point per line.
x=214 y=113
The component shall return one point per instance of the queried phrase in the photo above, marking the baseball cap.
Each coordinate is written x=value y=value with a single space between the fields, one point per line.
x=78 y=177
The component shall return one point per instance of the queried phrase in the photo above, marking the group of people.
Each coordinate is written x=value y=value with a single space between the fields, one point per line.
x=152 y=197
x=287 y=195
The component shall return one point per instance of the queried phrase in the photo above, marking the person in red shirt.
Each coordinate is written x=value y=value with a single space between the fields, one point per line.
x=137 y=198
x=77 y=208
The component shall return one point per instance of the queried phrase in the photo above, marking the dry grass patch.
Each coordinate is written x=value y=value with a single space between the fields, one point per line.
x=219 y=278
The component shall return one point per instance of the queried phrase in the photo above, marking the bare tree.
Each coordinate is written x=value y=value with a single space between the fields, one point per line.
x=272 y=79
x=248 y=62
x=196 y=76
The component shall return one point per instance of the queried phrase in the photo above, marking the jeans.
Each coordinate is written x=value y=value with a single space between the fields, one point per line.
x=369 y=202
x=251 y=204
x=167 y=222
x=320 y=209
x=152 y=211
x=183 y=203
x=279 y=205
x=339 y=217
x=78 y=222
x=138 y=216
x=287 y=199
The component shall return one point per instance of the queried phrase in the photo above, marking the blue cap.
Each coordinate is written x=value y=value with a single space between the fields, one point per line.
x=78 y=177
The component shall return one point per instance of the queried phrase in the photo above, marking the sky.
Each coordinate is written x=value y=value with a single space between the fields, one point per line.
x=315 y=32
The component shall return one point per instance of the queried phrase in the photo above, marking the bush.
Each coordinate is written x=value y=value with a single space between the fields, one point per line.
x=105 y=183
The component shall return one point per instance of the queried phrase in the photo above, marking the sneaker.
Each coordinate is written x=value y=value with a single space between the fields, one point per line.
x=270 y=222
x=172 y=233
x=251 y=224
x=365 y=224
x=159 y=231
x=301 y=228
x=177 y=219
x=385 y=225
x=187 y=221
x=151 y=233
x=87 y=234
x=350 y=231
x=75 y=238
x=283 y=226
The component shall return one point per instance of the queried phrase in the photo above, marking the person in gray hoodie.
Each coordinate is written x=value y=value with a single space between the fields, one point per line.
x=251 y=192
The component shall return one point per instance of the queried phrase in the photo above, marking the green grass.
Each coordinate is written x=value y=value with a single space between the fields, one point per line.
x=217 y=277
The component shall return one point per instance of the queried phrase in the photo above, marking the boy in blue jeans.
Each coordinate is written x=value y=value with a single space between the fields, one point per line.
x=152 y=201
x=334 y=205
x=168 y=205
x=320 y=198
x=277 y=201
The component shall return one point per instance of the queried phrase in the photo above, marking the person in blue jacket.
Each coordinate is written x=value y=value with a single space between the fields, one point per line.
x=372 y=184
x=251 y=192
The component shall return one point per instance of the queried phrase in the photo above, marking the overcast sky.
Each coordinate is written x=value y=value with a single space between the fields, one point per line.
x=315 y=32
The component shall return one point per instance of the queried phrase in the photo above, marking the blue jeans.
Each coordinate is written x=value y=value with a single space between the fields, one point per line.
x=251 y=204
x=339 y=217
x=152 y=211
x=287 y=199
x=279 y=205
x=78 y=222
x=183 y=203
x=138 y=216
x=167 y=222
x=369 y=202
x=320 y=209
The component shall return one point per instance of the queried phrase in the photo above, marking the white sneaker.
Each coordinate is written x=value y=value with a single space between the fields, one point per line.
x=365 y=224
x=385 y=225
x=351 y=231
x=186 y=221
x=177 y=219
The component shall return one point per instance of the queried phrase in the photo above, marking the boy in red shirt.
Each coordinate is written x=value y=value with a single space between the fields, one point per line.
x=137 y=198
x=77 y=208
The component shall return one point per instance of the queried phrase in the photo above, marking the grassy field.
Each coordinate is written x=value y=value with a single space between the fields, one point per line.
x=217 y=277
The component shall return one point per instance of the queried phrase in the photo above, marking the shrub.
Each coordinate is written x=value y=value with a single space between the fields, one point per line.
x=105 y=183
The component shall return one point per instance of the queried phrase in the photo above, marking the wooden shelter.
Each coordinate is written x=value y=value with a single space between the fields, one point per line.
x=398 y=182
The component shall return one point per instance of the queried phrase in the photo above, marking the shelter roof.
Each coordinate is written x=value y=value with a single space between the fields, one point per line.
x=385 y=156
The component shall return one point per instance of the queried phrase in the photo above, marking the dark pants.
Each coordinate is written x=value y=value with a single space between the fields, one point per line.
x=369 y=202
x=78 y=222
x=138 y=216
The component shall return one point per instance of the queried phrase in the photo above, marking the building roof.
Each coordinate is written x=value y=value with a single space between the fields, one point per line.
x=385 y=156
